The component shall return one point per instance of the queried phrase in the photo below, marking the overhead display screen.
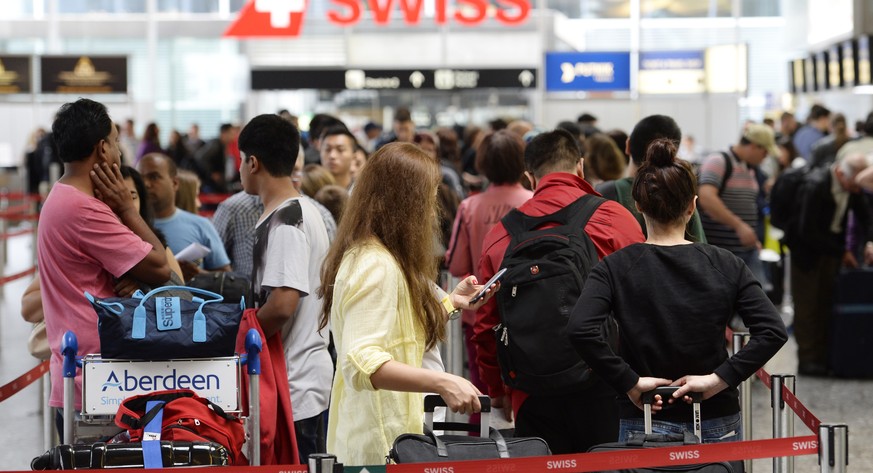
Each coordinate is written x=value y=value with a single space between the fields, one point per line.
x=864 y=61
x=809 y=73
x=672 y=72
x=834 y=66
x=798 y=74
x=821 y=71
x=850 y=66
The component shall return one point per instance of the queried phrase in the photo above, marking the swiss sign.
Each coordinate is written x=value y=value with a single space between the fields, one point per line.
x=269 y=18
x=284 y=18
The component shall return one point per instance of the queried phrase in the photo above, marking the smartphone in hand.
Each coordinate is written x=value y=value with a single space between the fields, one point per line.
x=491 y=283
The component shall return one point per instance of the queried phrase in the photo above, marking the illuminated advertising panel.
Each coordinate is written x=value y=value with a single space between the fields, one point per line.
x=727 y=68
x=15 y=72
x=588 y=71
x=84 y=74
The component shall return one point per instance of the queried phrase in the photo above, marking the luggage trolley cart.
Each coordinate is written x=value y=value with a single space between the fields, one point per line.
x=107 y=382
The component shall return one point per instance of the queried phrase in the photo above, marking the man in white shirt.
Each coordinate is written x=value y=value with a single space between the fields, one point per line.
x=290 y=245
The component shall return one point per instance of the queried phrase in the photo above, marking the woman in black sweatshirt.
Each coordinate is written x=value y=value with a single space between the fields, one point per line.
x=672 y=300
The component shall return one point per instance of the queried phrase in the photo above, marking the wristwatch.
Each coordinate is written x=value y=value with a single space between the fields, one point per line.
x=450 y=308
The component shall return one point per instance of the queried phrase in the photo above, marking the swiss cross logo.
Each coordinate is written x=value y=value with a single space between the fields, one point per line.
x=284 y=18
x=269 y=18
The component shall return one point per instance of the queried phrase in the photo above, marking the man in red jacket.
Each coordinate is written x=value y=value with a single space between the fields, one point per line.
x=570 y=423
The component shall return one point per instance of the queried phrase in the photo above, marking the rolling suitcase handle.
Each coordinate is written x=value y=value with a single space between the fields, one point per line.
x=432 y=401
x=648 y=399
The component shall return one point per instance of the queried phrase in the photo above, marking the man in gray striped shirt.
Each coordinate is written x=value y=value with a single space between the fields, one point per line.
x=728 y=190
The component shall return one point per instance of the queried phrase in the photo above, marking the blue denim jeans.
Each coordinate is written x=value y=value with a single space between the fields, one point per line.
x=721 y=429
x=311 y=436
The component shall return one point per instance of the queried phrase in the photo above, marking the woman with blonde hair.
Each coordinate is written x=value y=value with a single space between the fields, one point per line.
x=314 y=178
x=380 y=302
x=187 y=195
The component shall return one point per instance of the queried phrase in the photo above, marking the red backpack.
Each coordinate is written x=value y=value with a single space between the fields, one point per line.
x=186 y=417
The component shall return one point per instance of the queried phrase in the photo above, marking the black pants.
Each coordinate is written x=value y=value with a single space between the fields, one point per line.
x=813 y=291
x=310 y=436
x=571 y=423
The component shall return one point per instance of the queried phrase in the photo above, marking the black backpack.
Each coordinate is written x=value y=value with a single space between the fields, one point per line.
x=546 y=269
x=785 y=207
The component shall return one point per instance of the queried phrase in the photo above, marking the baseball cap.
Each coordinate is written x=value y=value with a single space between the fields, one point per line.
x=762 y=135
x=372 y=126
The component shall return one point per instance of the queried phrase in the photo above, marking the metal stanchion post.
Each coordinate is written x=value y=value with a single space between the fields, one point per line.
x=253 y=368
x=453 y=349
x=739 y=341
x=454 y=353
x=783 y=418
x=48 y=429
x=4 y=226
x=833 y=448
x=456 y=348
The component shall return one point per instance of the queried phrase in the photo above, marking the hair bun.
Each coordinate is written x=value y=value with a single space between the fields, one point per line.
x=661 y=153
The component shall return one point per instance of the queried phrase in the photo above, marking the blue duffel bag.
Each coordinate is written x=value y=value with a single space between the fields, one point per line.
x=163 y=326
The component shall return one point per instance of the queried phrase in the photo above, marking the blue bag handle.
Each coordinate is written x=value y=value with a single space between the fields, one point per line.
x=138 y=332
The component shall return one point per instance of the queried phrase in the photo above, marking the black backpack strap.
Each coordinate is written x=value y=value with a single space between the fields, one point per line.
x=728 y=172
x=577 y=214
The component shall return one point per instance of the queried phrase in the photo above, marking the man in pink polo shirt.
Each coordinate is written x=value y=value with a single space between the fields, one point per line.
x=90 y=234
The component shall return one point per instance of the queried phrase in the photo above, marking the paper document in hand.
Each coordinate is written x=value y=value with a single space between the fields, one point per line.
x=193 y=252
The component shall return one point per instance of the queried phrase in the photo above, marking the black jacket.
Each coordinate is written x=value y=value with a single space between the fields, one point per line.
x=813 y=236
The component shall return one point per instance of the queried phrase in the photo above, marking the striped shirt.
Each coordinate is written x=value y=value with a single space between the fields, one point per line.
x=235 y=221
x=740 y=196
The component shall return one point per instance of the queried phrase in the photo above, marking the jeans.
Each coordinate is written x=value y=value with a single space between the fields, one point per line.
x=721 y=429
x=752 y=259
x=310 y=436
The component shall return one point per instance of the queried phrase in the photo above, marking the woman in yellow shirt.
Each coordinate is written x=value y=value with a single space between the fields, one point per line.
x=379 y=300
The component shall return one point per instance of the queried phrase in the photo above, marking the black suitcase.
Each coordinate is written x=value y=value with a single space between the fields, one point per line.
x=852 y=325
x=129 y=455
x=650 y=440
x=418 y=448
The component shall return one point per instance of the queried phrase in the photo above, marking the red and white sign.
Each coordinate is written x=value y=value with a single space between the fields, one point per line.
x=284 y=18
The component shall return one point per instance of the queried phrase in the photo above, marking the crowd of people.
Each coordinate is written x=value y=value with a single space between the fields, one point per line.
x=342 y=235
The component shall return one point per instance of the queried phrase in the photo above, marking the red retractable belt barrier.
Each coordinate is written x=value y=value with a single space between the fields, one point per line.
x=233 y=469
x=637 y=458
x=8 y=235
x=809 y=419
x=13 y=277
x=212 y=199
x=23 y=381
x=805 y=415
x=20 y=196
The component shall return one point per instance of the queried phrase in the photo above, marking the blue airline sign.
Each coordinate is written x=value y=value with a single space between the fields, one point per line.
x=588 y=71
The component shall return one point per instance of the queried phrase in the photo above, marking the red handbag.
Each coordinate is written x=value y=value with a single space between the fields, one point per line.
x=186 y=417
